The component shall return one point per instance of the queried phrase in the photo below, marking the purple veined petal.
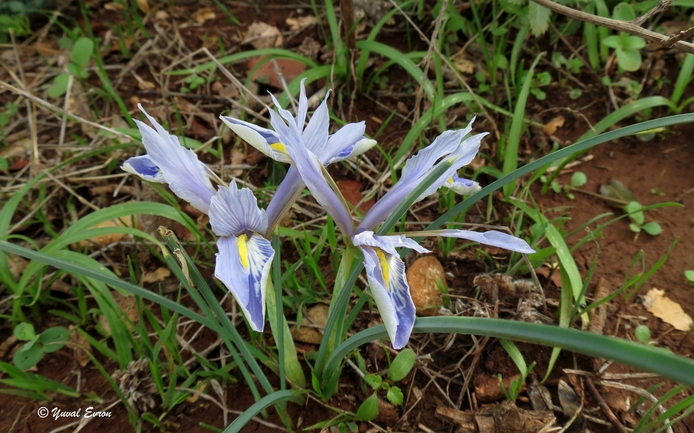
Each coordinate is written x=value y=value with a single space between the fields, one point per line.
x=143 y=167
x=286 y=114
x=187 y=177
x=265 y=140
x=235 y=211
x=387 y=243
x=291 y=185
x=347 y=142
x=303 y=107
x=243 y=265
x=316 y=179
x=462 y=186
x=315 y=136
x=493 y=238
x=389 y=288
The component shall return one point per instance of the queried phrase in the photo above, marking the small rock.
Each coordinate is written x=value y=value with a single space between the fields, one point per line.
x=424 y=277
x=316 y=316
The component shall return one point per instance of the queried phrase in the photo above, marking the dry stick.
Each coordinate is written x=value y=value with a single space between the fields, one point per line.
x=605 y=408
x=347 y=9
x=660 y=7
x=641 y=392
x=622 y=26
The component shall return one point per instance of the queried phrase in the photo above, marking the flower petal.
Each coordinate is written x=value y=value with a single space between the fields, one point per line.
x=315 y=136
x=389 y=288
x=386 y=243
x=143 y=167
x=492 y=237
x=235 y=211
x=291 y=185
x=265 y=140
x=347 y=142
x=187 y=177
x=243 y=265
x=462 y=186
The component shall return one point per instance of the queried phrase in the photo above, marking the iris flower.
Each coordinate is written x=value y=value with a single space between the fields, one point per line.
x=385 y=270
x=245 y=255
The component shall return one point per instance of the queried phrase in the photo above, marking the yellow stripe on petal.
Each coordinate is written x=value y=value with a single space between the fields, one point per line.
x=281 y=148
x=384 y=267
x=243 y=250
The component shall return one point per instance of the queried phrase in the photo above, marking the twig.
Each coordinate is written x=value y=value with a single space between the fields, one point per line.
x=605 y=408
x=660 y=7
x=622 y=26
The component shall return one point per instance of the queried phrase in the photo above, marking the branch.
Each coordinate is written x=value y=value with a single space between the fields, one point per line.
x=660 y=7
x=622 y=26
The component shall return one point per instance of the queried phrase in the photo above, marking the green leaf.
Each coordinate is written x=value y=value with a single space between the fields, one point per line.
x=633 y=208
x=689 y=275
x=633 y=43
x=368 y=409
x=635 y=228
x=611 y=41
x=643 y=334
x=4 y=165
x=401 y=366
x=539 y=18
x=395 y=396
x=628 y=60
x=578 y=179
x=624 y=12
x=652 y=228
x=59 y=86
x=54 y=338
x=25 y=359
x=373 y=380
x=81 y=52
x=24 y=331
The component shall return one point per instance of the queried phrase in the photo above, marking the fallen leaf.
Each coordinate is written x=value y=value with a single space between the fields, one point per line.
x=160 y=274
x=464 y=65
x=80 y=347
x=262 y=35
x=237 y=158
x=299 y=23
x=424 y=277
x=204 y=14
x=316 y=316
x=47 y=48
x=667 y=310
x=107 y=239
x=143 y=6
x=618 y=191
x=351 y=191
x=554 y=124
x=289 y=69
x=114 y=6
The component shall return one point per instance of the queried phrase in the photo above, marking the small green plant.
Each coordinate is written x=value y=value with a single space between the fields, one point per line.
x=626 y=46
x=17 y=24
x=638 y=220
x=192 y=82
x=643 y=334
x=516 y=385
x=578 y=179
x=689 y=275
x=32 y=351
x=401 y=367
x=80 y=54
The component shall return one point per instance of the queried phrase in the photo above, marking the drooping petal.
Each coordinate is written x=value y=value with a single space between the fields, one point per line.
x=243 y=265
x=462 y=186
x=387 y=243
x=143 y=167
x=235 y=211
x=186 y=175
x=265 y=140
x=389 y=288
x=493 y=238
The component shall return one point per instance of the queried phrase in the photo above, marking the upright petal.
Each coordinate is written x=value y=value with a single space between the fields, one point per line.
x=235 y=211
x=389 y=288
x=315 y=136
x=143 y=167
x=291 y=185
x=492 y=237
x=243 y=265
x=186 y=175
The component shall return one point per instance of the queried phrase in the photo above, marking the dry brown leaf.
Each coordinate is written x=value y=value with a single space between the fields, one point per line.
x=262 y=35
x=237 y=158
x=79 y=105
x=200 y=388
x=114 y=6
x=143 y=5
x=80 y=347
x=464 y=65
x=158 y=275
x=554 y=124
x=299 y=23
x=667 y=310
x=351 y=191
x=204 y=14
x=110 y=238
